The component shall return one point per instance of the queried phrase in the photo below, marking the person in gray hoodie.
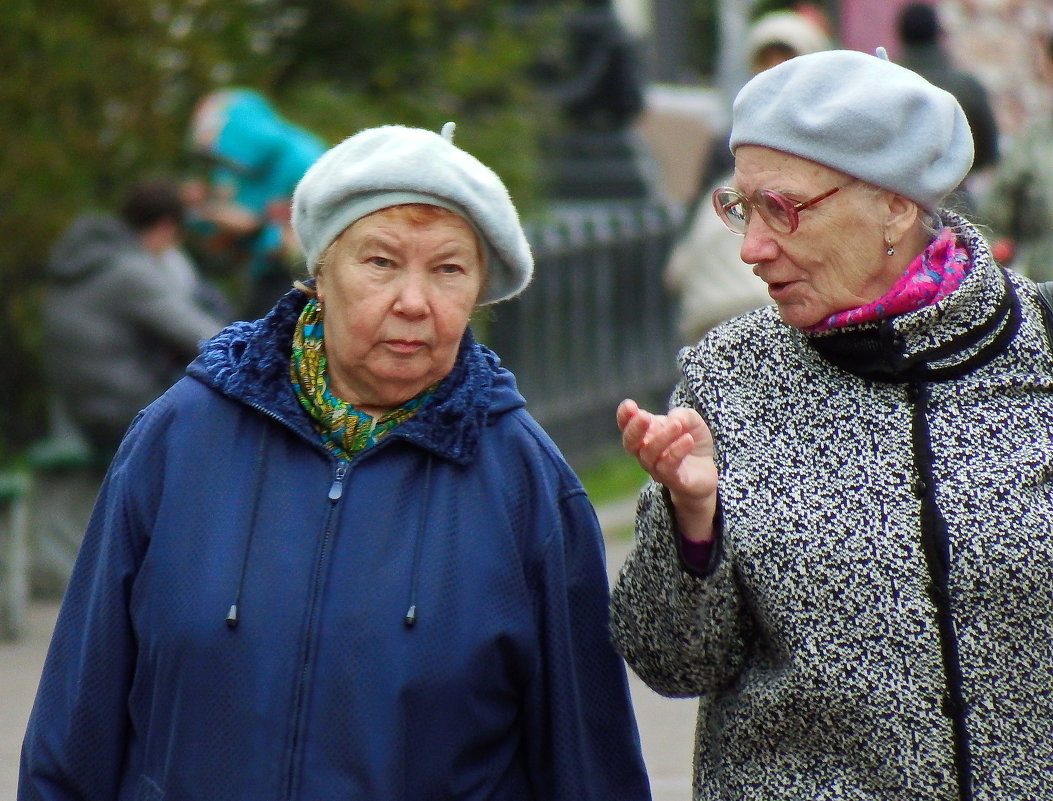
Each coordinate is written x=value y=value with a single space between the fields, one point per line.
x=124 y=310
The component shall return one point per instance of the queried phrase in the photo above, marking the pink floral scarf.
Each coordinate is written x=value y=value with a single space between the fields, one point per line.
x=932 y=276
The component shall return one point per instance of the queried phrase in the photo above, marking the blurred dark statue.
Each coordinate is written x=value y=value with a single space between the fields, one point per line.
x=596 y=83
x=603 y=90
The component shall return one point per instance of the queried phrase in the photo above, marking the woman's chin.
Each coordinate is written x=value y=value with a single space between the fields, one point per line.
x=798 y=316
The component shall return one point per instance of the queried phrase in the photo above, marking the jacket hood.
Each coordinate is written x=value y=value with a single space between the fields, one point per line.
x=88 y=245
x=243 y=131
x=249 y=362
x=255 y=153
x=236 y=126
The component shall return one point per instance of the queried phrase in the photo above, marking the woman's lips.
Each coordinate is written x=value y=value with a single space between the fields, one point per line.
x=404 y=345
x=779 y=289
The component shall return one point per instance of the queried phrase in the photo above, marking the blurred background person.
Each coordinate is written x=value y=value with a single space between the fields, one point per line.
x=921 y=39
x=124 y=312
x=771 y=39
x=705 y=270
x=1018 y=202
x=241 y=209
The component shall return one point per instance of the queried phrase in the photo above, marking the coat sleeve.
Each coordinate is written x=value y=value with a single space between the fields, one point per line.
x=583 y=740
x=171 y=317
x=75 y=741
x=682 y=633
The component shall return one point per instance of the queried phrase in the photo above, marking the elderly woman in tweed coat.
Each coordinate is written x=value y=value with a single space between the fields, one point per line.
x=845 y=550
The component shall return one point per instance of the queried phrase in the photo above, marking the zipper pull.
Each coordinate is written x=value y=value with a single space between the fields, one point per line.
x=337 y=488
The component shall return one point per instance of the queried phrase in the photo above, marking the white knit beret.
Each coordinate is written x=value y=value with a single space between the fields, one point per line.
x=392 y=165
x=861 y=115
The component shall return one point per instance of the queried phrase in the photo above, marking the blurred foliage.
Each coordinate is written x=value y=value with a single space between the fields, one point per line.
x=762 y=7
x=95 y=95
x=703 y=38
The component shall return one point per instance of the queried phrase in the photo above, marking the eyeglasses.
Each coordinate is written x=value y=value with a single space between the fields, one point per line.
x=778 y=211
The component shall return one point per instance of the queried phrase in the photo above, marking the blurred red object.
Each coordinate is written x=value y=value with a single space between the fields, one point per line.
x=1003 y=250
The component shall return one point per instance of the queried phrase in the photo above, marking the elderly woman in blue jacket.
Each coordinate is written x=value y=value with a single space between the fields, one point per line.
x=339 y=559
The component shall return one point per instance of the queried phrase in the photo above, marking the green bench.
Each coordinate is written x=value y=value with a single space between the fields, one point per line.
x=64 y=478
x=14 y=553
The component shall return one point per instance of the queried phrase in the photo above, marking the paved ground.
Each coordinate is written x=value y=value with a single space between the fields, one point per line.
x=666 y=725
x=20 y=664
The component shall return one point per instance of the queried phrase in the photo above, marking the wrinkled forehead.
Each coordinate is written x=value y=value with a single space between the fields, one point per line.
x=759 y=167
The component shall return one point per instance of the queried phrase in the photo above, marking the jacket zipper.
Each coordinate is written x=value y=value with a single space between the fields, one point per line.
x=336 y=491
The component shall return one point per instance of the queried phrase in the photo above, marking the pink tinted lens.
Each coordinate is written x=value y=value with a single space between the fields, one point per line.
x=776 y=210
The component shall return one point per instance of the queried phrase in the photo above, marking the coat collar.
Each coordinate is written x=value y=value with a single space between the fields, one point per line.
x=249 y=363
x=958 y=334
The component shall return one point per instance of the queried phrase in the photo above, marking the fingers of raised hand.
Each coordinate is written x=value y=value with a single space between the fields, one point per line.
x=695 y=426
x=659 y=442
x=664 y=464
x=627 y=409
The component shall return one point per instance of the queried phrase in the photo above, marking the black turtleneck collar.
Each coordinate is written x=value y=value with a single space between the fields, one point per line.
x=960 y=333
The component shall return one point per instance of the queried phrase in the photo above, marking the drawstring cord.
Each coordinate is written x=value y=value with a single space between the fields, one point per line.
x=410 y=618
x=232 y=614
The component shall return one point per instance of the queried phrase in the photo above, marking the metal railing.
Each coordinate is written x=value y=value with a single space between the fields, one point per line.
x=596 y=325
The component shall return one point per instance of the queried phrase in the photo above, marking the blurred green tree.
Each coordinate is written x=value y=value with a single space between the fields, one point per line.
x=703 y=40
x=94 y=95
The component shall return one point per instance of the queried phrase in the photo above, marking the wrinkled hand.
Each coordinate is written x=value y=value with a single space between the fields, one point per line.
x=676 y=450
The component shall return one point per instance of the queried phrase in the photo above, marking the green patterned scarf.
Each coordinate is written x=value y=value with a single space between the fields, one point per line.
x=344 y=429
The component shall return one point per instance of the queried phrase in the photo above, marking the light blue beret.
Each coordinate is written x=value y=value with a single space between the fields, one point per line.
x=861 y=115
x=392 y=165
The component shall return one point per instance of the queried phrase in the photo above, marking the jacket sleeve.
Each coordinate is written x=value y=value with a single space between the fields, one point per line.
x=583 y=740
x=171 y=317
x=75 y=741
x=682 y=633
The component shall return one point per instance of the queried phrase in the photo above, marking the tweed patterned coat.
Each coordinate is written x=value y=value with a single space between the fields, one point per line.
x=877 y=622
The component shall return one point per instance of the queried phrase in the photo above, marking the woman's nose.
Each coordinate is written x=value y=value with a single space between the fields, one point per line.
x=412 y=299
x=758 y=243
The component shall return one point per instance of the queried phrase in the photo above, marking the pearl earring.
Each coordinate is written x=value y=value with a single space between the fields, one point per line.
x=890 y=251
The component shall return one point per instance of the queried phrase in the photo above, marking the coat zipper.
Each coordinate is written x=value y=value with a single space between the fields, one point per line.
x=336 y=491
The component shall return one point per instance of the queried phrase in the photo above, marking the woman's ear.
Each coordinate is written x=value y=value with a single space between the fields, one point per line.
x=319 y=276
x=901 y=218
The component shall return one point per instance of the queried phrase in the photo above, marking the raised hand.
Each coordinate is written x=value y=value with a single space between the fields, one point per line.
x=676 y=450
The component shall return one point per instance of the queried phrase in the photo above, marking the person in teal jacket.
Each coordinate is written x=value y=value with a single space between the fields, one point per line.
x=339 y=559
x=255 y=159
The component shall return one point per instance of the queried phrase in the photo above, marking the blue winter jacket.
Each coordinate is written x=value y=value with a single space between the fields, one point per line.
x=251 y=619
